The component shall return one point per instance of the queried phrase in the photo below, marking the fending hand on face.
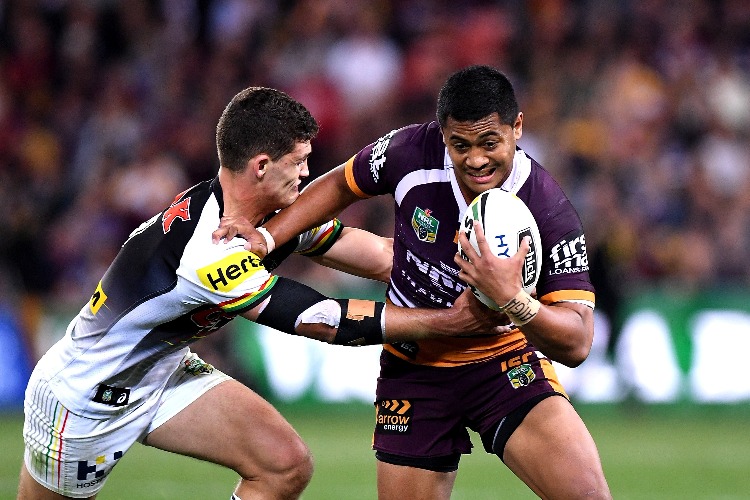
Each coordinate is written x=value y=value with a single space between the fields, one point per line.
x=231 y=226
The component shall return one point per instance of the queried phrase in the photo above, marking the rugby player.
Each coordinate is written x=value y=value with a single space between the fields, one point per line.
x=503 y=387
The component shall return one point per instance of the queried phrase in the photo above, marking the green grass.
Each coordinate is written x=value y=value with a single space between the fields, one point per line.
x=647 y=452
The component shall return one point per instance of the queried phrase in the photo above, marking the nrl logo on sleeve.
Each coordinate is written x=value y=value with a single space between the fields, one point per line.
x=425 y=225
x=226 y=274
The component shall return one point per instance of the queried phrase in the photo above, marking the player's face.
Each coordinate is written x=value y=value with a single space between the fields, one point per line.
x=482 y=152
x=285 y=175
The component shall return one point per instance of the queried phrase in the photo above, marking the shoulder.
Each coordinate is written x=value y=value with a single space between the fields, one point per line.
x=564 y=258
x=157 y=246
x=224 y=273
x=542 y=193
x=223 y=269
x=407 y=143
x=395 y=154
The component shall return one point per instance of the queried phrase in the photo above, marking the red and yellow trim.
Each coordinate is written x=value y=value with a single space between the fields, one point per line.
x=247 y=300
x=324 y=239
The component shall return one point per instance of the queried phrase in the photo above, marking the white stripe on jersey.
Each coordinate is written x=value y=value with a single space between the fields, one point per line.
x=520 y=172
x=418 y=178
x=398 y=298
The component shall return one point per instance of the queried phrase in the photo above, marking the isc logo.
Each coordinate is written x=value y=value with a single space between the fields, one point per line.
x=230 y=271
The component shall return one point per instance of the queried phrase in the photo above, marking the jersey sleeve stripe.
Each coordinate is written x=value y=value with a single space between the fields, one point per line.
x=349 y=172
x=248 y=300
x=324 y=240
x=582 y=296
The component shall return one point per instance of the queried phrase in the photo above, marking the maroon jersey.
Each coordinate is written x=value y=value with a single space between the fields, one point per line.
x=412 y=164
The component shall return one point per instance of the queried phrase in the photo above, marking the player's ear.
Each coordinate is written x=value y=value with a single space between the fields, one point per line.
x=518 y=126
x=259 y=165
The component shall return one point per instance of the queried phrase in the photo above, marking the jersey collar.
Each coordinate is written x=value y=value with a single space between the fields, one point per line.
x=518 y=176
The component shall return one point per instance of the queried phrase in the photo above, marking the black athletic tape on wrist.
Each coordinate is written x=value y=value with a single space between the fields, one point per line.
x=279 y=254
x=288 y=300
x=360 y=323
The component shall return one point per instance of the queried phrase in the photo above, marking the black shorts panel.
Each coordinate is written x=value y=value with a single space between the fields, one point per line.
x=495 y=439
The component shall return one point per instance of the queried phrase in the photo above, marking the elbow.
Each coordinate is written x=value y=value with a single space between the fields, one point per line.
x=579 y=339
x=574 y=356
x=574 y=359
x=384 y=275
x=384 y=272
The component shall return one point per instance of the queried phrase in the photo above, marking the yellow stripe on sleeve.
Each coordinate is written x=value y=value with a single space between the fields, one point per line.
x=349 y=171
x=568 y=295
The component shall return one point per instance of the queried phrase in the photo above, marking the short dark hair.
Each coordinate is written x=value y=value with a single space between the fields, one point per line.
x=261 y=120
x=475 y=92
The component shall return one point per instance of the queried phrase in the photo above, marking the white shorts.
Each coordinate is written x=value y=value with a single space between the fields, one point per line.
x=73 y=455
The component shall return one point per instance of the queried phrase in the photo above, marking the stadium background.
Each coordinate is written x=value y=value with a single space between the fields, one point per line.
x=640 y=108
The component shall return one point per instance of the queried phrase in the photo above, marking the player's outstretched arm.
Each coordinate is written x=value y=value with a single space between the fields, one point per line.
x=356 y=251
x=298 y=309
x=360 y=253
x=322 y=200
x=563 y=331
x=466 y=318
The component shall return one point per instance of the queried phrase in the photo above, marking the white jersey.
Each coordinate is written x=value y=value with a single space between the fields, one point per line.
x=168 y=287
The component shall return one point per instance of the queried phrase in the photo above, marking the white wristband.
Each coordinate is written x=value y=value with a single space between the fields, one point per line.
x=270 y=243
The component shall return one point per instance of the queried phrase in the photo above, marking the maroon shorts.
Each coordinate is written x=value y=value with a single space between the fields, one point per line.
x=423 y=412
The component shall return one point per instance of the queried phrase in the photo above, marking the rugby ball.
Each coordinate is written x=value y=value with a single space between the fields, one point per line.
x=506 y=220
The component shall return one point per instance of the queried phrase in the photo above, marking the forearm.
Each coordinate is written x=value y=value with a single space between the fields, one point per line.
x=401 y=325
x=320 y=202
x=360 y=253
x=298 y=309
x=563 y=332
x=407 y=324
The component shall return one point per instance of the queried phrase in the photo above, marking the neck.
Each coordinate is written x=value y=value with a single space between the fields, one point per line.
x=242 y=198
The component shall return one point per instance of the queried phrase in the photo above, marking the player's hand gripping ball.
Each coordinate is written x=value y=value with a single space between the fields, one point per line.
x=506 y=220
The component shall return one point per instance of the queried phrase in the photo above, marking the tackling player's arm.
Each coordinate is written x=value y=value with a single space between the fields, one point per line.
x=360 y=253
x=298 y=309
x=563 y=331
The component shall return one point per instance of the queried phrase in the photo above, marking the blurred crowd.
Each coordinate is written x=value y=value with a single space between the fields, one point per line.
x=640 y=108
